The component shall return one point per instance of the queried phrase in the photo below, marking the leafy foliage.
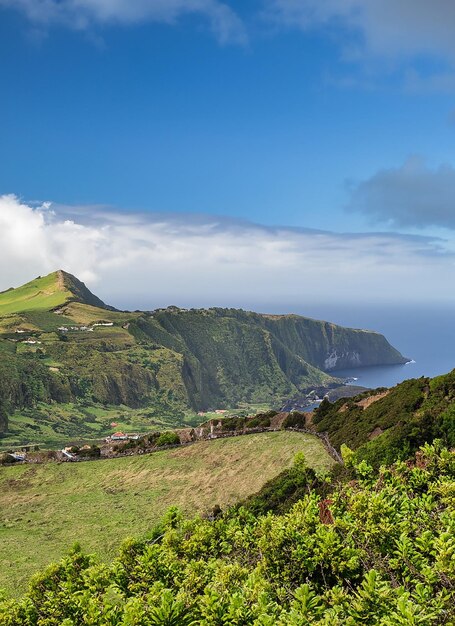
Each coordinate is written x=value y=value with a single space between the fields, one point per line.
x=396 y=422
x=167 y=439
x=380 y=550
x=45 y=506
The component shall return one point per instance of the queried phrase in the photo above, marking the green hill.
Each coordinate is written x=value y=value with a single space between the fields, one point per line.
x=65 y=349
x=45 y=508
x=47 y=293
x=383 y=425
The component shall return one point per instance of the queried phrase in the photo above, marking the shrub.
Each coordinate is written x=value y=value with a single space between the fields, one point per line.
x=167 y=439
x=295 y=420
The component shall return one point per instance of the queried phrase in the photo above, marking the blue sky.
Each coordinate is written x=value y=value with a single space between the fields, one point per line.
x=337 y=116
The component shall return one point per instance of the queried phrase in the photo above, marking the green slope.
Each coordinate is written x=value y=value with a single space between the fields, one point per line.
x=45 y=508
x=46 y=293
x=331 y=347
x=43 y=293
x=378 y=552
x=384 y=425
x=174 y=362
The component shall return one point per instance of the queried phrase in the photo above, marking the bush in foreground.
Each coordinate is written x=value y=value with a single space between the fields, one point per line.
x=378 y=550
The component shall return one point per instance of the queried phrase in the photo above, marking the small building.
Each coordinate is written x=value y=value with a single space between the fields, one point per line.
x=17 y=456
x=119 y=436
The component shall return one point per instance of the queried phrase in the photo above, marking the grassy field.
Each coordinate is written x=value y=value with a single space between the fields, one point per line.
x=44 y=509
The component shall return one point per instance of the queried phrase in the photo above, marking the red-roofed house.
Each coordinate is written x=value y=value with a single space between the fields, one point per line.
x=119 y=436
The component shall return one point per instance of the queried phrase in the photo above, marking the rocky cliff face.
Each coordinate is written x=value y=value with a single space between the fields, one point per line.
x=330 y=347
x=233 y=355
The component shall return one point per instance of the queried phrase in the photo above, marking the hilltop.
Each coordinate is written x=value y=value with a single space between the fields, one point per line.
x=47 y=293
x=68 y=360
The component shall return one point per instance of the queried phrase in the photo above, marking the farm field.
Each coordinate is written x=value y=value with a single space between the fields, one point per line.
x=44 y=509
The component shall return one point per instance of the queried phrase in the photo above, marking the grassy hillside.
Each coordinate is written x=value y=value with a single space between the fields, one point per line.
x=48 y=425
x=78 y=352
x=378 y=551
x=46 y=293
x=384 y=425
x=42 y=293
x=45 y=508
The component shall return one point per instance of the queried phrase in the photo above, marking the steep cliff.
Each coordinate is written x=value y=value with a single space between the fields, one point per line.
x=331 y=347
x=82 y=350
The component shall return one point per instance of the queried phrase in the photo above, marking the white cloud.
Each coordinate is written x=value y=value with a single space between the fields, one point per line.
x=387 y=27
x=82 y=14
x=145 y=261
x=412 y=194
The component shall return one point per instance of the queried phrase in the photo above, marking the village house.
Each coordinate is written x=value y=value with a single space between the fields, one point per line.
x=119 y=436
x=67 y=454
x=19 y=457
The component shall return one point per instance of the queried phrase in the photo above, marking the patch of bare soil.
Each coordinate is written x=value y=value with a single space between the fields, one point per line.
x=366 y=402
x=375 y=433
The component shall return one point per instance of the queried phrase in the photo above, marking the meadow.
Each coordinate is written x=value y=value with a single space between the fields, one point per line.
x=44 y=509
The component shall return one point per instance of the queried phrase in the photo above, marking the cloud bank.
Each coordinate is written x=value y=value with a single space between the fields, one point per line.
x=152 y=260
x=83 y=14
x=384 y=27
x=414 y=39
x=410 y=195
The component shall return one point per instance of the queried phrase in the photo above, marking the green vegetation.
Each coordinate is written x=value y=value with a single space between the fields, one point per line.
x=45 y=508
x=41 y=293
x=281 y=493
x=46 y=293
x=378 y=551
x=50 y=425
x=383 y=426
x=168 y=364
x=167 y=439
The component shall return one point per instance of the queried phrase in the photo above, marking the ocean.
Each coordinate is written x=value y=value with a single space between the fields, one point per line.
x=425 y=334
